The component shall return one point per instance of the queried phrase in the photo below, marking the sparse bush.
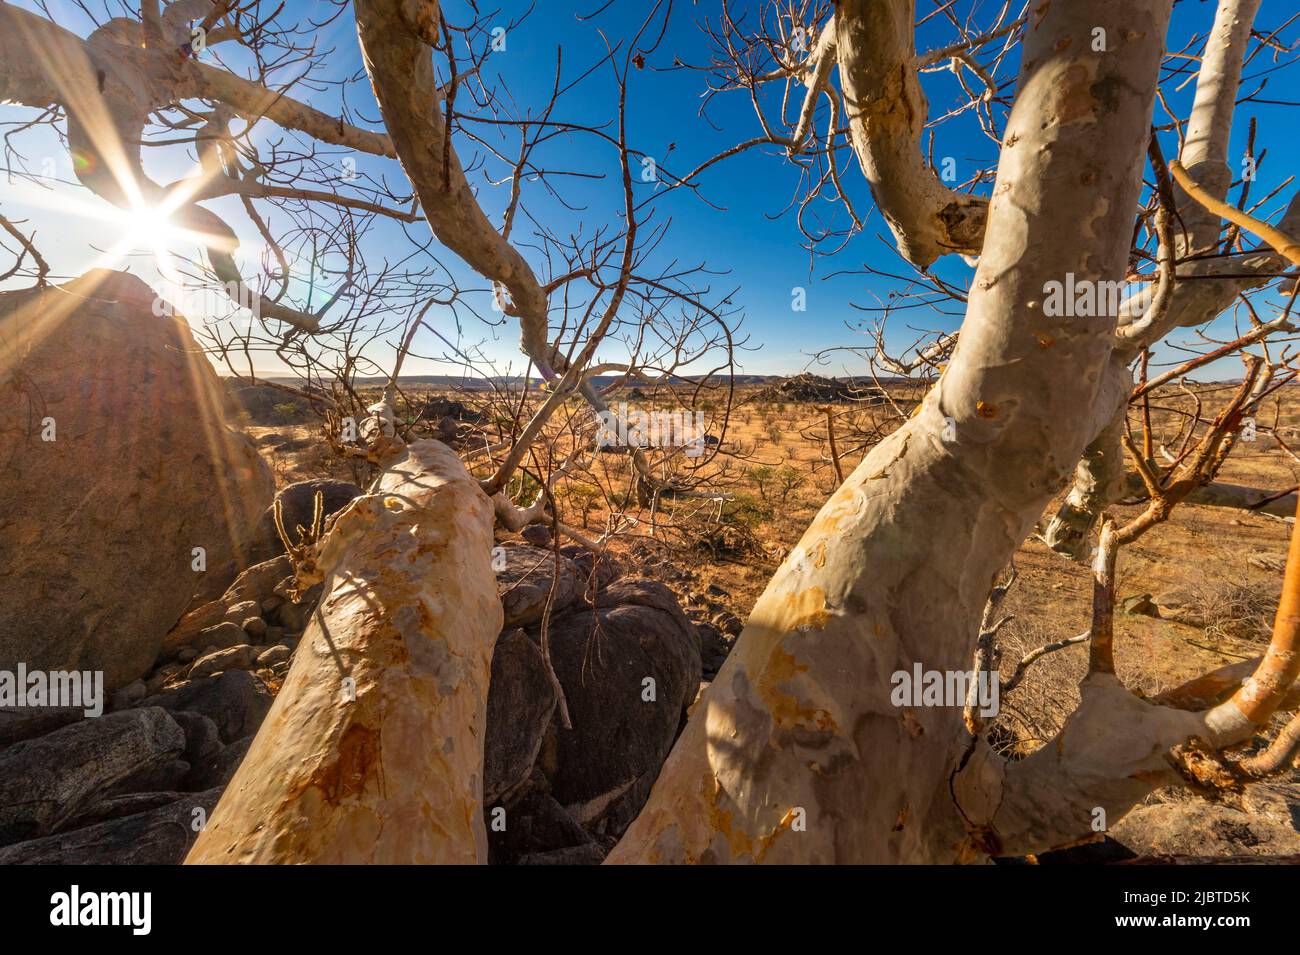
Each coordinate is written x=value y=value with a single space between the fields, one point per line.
x=787 y=479
x=1234 y=611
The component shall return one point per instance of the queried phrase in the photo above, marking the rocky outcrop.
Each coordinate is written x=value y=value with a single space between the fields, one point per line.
x=236 y=701
x=629 y=665
x=124 y=494
x=241 y=600
x=526 y=577
x=132 y=786
x=817 y=390
x=45 y=781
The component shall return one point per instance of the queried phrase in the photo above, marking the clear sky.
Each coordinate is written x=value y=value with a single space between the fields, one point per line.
x=740 y=232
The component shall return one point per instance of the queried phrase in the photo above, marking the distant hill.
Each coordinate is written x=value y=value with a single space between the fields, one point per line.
x=458 y=383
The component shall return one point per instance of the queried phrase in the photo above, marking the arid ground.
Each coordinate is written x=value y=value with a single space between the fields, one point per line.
x=1195 y=594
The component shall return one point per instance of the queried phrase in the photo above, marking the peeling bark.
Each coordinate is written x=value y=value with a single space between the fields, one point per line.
x=387 y=768
x=1098 y=477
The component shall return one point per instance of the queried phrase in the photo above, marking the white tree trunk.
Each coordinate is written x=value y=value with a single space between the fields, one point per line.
x=796 y=752
x=373 y=749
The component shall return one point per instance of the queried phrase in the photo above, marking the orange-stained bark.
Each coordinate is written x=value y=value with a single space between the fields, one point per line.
x=373 y=749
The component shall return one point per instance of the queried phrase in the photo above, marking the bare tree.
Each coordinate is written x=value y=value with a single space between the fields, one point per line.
x=797 y=751
x=799 y=725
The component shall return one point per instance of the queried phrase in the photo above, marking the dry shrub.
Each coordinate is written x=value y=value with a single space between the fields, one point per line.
x=730 y=540
x=1234 y=611
x=1037 y=708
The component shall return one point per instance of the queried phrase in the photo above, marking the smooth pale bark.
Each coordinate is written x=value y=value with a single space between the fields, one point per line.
x=1209 y=127
x=410 y=615
x=1195 y=301
x=395 y=40
x=798 y=729
x=1220 y=494
x=887 y=111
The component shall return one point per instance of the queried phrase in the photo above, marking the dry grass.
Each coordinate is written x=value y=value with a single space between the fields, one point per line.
x=776 y=467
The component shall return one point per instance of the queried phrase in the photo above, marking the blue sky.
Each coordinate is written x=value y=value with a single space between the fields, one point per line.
x=761 y=255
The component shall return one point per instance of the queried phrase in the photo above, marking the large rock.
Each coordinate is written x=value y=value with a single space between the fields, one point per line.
x=237 y=702
x=47 y=780
x=1263 y=820
x=524 y=581
x=98 y=526
x=159 y=836
x=521 y=699
x=436 y=407
x=605 y=766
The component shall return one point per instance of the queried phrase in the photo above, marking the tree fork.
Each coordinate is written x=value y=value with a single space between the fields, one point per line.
x=896 y=568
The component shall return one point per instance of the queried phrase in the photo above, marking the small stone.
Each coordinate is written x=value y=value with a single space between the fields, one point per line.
x=1140 y=605
x=255 y=627
x=222 y=635
x=186 y=655
x=131 y=693
x=272 y=603
x=729 y=623
x=538 y=535
x=241 y=610
x=231 y=658
x=274 y=655
x=1273 y=563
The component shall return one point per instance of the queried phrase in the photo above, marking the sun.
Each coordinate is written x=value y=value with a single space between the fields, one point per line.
x=146 y=223
x=150 y=226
